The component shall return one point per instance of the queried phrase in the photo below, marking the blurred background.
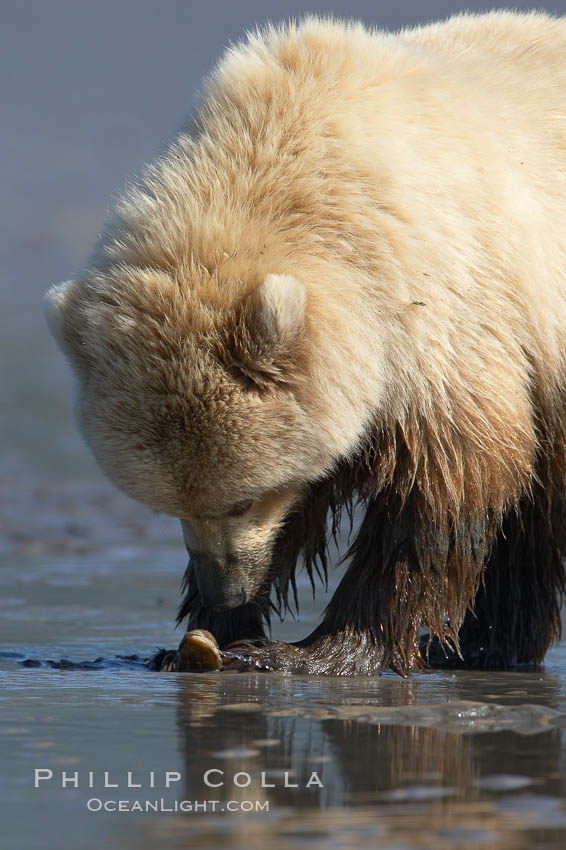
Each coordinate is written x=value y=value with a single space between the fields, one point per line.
x=91 y=91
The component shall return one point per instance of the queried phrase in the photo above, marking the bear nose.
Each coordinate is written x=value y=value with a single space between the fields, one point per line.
x=219 y=589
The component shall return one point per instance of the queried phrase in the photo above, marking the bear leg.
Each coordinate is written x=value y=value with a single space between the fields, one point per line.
x=516 y=612
x=373 y=619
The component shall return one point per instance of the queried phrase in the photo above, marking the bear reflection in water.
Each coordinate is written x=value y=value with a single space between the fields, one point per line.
x=406 y=778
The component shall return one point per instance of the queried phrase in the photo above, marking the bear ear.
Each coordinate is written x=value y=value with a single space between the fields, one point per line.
x=276 y=309
x=269 y=334
x=55 y=305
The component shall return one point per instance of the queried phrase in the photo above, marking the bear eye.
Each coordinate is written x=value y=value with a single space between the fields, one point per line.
x=240 y=509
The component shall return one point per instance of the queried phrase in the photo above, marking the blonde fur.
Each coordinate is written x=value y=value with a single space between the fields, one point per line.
x=356 y=256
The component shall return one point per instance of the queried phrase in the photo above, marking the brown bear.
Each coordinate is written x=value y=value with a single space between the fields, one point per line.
x=345 y=283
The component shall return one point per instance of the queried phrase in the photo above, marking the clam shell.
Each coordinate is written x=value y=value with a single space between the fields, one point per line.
x=198 y=650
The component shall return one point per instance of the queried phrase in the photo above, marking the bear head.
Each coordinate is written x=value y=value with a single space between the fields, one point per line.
x=196 y=401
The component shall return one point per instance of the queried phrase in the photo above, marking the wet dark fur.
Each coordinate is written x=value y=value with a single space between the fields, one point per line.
x=465 y=543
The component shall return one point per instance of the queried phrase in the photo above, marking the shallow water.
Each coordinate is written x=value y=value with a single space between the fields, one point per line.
x=441 y=760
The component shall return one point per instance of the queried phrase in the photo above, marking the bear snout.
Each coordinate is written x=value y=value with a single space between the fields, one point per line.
x=220 y=588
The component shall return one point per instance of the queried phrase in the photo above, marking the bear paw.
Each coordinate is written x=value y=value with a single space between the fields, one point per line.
x=260 y=655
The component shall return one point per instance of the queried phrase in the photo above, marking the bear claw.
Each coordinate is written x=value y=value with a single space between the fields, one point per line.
x=243 y=657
